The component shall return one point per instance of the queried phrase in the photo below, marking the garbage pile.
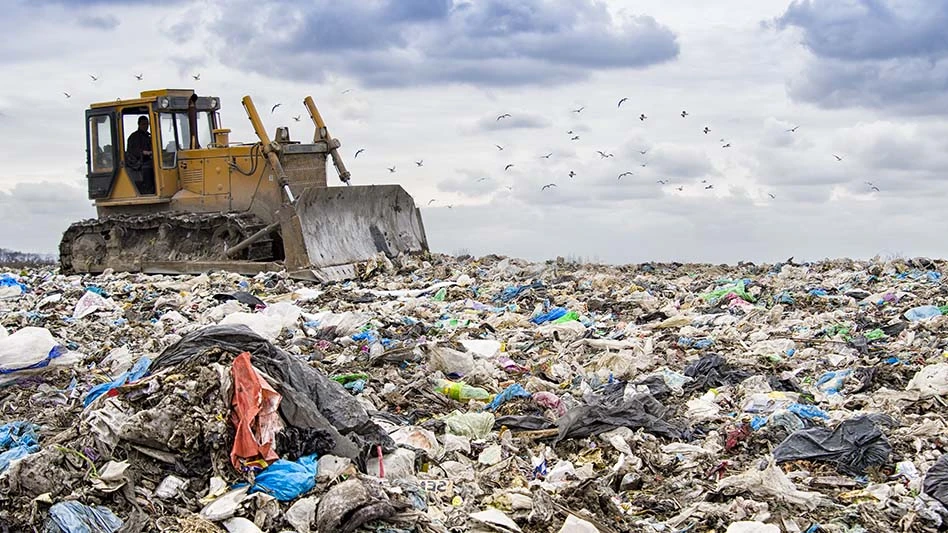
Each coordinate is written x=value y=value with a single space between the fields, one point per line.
x=441 y=394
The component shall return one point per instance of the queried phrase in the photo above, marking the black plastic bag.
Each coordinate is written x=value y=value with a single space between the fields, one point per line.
x=711 y=371
x=321 y=410
x=613 y=411
x=853 y=446
x=936 y=480
x=523 y=423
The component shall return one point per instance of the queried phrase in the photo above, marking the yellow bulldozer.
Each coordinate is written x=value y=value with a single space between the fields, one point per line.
x=183 y=199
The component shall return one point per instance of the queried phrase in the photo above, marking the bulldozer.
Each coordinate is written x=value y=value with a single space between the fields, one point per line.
x=193 y=201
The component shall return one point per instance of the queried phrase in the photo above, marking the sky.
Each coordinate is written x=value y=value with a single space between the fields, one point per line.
x=864 y=82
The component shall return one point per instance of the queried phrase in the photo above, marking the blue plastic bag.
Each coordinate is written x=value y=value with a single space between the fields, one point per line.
x=286 y=480
x=6 y=280
x=19 y=433
x=807 y=411
x=922 y=312
x=511 y=392
x=74 y=517
x=136 y=373
x=832 y=381
x=553 y=314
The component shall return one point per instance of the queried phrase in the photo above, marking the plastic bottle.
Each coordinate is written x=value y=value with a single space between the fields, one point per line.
x=461 y=391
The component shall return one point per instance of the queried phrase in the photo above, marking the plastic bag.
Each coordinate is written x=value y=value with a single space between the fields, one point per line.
x=17 y=440
x=551 y=316
x=287 y=480
x=853 y=446
x=511 y=392
x=472 y=425
x=255 y=414
x=612 y=411
x=930 y=381
x=75 y=517
x=11 y=287
x=737 y=288
x=269 y=322
x=28 y=350
x=137 y=371
x=936 y=480
x=922 y=312
x=90 y=303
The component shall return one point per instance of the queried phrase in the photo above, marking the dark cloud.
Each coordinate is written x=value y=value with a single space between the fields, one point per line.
x=390 y=43
x=872 y=53
x=98 y=22
x=43 y=210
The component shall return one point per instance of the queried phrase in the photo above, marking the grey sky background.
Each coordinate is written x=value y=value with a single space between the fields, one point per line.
x=425 y=80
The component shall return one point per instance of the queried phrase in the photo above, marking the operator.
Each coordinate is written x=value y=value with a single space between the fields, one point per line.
x=138 y=156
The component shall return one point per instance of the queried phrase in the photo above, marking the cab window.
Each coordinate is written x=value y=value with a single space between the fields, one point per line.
x=101 y=144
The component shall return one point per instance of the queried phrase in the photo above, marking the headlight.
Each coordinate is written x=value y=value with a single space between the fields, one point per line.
x=164 y=102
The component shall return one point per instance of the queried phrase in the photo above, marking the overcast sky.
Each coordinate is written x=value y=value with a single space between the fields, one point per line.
x=865 y=80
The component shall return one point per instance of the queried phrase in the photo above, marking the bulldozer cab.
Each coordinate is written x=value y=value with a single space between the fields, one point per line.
x=178 y=120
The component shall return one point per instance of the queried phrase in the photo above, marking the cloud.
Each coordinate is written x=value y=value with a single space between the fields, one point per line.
x=872 y=53
x=46 y=209
x=471 y=184
x=390 y=43
x=98 y=22
x=519 y=120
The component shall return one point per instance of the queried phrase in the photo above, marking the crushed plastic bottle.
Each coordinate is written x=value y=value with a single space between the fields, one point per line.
x=461 y=391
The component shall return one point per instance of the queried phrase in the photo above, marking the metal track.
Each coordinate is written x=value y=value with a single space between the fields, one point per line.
x=124 y=242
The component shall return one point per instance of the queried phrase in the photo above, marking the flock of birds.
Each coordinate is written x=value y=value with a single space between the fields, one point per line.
x=572 y=136
x=605 y=155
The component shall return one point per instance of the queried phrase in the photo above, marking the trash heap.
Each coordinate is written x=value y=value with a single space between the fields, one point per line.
x=444 y=394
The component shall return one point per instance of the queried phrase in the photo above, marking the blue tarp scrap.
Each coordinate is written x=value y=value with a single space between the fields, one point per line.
x=6 y=280
x=75 y=517
x=513 y=291
x=135 y=373
x=17 y=440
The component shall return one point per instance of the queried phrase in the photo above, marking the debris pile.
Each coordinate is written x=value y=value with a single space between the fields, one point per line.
x=444 y=394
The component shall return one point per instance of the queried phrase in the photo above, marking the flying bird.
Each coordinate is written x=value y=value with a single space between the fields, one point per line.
x=579 y=109
x=680 y=188
x=272 y=109
x=620 y=102
x=662 y=182
x=431 y=201
x=505 y=115
x=707 y=130
x=509 y=188
x=346 y=91
x=296 y=118
x=450 y=206
x=67 y=95
x=771 y=195
x=625 y=174
x=391 y=169
x=93 y=77
x=642 y=117
x=704 y=181
x=480 y=180
x=547 y=156
x=837 y=157
x=644 y=165
x=499 y=147
x=643 y=152
x=506 y=168
x=728 y=145
x=874 y=188
x=359 y=151
x=570 y=132
x=420 y=162
x=572 y=174
x=197 y=77
x=547 y=186
x=793 y=129
x=139 y=77
x=684 y=114
x=602 y=155
x=709 y=187
x=574 y=138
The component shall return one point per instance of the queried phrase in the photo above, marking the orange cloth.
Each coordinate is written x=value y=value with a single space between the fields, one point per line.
x=255 y=415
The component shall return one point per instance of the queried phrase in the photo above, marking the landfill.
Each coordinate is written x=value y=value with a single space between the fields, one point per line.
x=437 y=393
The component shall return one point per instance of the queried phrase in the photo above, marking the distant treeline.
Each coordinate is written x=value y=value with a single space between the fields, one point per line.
x=14 y=258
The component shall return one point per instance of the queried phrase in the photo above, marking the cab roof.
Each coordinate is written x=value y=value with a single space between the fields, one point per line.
x=146 y=97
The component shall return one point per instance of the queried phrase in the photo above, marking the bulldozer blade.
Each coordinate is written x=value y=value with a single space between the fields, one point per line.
x=327 y=232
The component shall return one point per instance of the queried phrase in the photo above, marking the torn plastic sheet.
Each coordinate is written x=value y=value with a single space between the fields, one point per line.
x=75 y=517
x=255 y=415
x=639 y=411
x=135 y=373
x=287 y=480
